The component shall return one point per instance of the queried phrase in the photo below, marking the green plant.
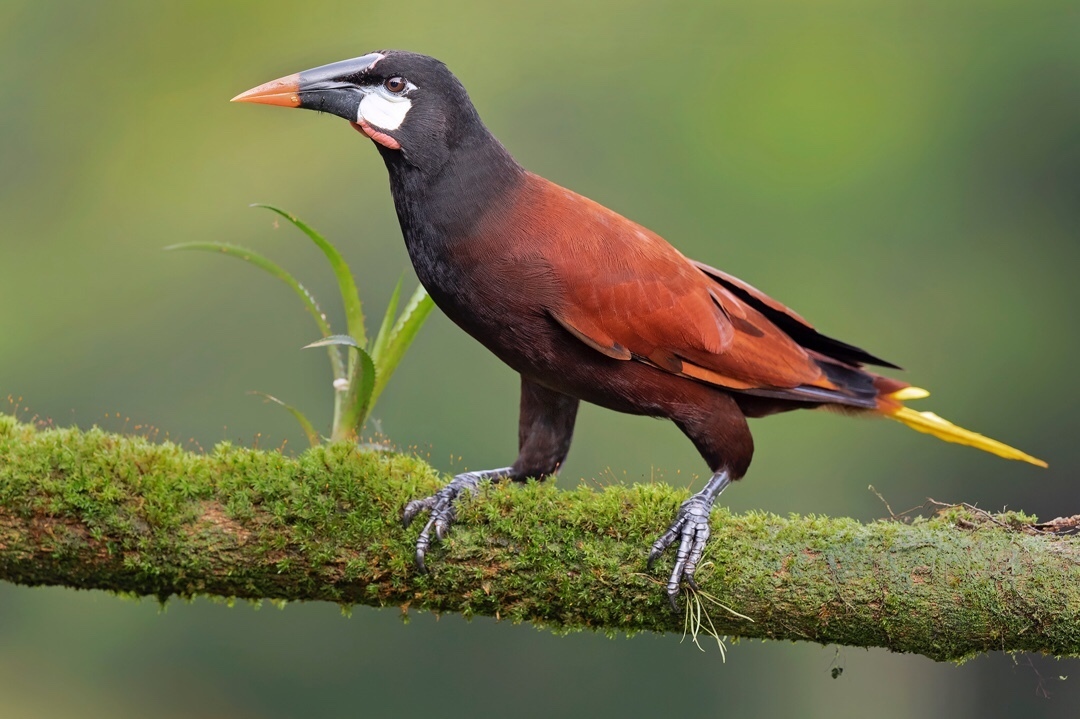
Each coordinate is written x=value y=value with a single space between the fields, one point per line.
x=359 y=381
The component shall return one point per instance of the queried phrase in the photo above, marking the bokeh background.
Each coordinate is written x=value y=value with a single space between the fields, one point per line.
x=907 y=175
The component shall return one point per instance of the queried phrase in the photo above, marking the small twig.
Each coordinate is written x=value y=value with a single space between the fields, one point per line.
x=878 y=495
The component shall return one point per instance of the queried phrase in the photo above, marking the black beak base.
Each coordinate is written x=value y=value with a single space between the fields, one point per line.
x=333 y=88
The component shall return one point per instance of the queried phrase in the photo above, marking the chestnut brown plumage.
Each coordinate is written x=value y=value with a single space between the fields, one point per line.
x=583 y=303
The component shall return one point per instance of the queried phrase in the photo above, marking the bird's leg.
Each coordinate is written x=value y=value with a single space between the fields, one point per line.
x=441 y=505
x=691 y=528
x=544 y=432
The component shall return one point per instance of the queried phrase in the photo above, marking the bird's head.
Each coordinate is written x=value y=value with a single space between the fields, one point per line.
x=410 y=104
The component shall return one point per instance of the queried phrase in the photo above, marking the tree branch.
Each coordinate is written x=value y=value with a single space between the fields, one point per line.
x=94 y=510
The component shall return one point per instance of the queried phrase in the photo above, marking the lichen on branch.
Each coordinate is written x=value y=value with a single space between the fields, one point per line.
x=97 y=510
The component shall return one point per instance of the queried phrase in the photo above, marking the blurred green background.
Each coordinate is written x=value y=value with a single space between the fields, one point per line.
x=906 y=175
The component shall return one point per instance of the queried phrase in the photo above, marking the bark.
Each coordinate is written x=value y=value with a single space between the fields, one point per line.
x=95 y=510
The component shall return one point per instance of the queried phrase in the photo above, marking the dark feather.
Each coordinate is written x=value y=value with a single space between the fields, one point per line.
x=792 y=324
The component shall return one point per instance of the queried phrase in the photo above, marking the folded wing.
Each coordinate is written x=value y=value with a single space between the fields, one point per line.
x=627 y=293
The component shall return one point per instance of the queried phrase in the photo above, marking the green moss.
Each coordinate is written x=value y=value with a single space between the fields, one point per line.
x=97 y=510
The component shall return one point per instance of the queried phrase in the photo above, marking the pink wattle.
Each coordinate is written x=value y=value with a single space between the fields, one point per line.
x=380 y=137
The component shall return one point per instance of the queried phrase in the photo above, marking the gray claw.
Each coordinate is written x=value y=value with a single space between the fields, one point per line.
x=691 y=528
x=442 y=514
x=441 y=506
x=414 y=508
x=665 y=540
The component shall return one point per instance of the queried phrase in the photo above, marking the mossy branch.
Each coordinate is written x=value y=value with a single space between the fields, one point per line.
x=95 y=510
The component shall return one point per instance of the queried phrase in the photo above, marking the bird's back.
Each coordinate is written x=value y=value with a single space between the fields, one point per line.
x=627 y=293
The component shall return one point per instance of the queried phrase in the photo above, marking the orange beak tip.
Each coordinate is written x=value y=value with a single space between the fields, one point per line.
x=284 y=92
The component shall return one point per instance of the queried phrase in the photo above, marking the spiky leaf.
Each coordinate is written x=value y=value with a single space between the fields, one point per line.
x=361 y=388
x=267 y=265
x=334 y=340
x=350 y=297
x=305 y=423
x=379 y=346
x=404 y=332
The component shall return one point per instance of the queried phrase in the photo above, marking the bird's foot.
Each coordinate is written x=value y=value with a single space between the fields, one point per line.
x=441 y=506
x=691 y=528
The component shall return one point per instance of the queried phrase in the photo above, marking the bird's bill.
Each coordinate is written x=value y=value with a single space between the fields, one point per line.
x=285 y=91
x=333 y=88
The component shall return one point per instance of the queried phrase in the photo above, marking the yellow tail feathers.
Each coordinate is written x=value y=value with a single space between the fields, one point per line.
x=930 y=423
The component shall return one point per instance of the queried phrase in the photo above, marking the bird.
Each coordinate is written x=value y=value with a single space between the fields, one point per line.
x=585 y=304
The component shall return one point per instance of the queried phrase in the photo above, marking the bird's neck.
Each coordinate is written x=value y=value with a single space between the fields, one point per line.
x=441 y=206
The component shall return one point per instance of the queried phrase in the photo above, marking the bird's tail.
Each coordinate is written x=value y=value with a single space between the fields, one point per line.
x=891 y=405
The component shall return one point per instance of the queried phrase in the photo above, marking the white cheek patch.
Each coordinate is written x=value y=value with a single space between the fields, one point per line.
x=383 y=113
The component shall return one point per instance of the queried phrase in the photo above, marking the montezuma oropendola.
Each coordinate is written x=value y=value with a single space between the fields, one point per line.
x=583 y=303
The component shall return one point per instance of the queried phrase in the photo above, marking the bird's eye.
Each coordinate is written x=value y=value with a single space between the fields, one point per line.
x=396 y=85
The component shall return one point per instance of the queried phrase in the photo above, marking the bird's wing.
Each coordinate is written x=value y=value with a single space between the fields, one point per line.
x=627 y=293
x=686 y=328
x=786 y=319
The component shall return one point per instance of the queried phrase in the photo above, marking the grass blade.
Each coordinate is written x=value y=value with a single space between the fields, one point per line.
x=358 y=399
x=404 y=332
x=350 y=297
x=334 y=340
x=309 y=429
x=379 y=346
x=358 y=395
x=254 y=258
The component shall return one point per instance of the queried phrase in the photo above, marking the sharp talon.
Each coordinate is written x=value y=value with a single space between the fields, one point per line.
x=414 y=508
x=441 y=506
x=691 y=528
x=665 y=540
